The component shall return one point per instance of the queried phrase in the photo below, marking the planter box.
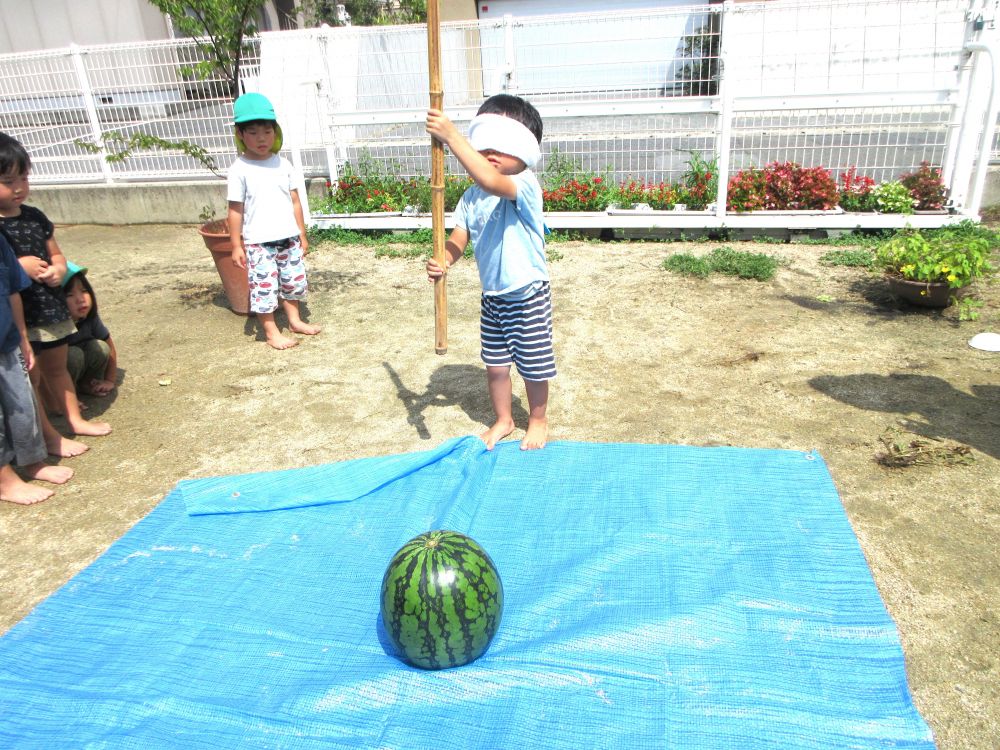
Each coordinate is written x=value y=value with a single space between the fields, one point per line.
x=368 y=215
x=644 y=209
x=791 y=212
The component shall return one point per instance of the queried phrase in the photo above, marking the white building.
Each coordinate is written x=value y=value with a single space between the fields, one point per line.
x=29 y=25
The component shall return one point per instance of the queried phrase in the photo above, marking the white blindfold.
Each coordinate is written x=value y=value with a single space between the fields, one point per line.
x=499 y=133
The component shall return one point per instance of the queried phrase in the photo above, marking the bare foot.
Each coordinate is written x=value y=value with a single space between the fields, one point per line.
x=496 y=433
x=305 y=328
x=91 y=429
x=48 y=473
x=536 y=434
x=13 y=489
x=281 y=342
x=64 y=447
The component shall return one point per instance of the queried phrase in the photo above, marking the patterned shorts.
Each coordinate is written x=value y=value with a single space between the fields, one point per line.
x=275 y=269
x=519 y=331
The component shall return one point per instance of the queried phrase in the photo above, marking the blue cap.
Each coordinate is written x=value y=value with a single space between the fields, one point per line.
x=72 y=269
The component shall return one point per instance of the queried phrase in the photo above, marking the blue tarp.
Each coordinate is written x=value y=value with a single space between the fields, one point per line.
x=655 y=597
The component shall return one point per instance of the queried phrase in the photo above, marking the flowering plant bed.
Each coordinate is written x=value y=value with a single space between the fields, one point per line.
x=780 y=188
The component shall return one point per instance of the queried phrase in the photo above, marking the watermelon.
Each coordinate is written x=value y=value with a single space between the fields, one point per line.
x=441 y=600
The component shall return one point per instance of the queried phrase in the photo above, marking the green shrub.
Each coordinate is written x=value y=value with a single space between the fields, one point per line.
x=926 y=187
x=953 y=256
x=724 y=260
x=861 y=257
x=743 y=264
x=892 y=198
x=687 y=264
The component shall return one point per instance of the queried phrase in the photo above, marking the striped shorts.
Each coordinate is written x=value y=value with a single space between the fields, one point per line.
x=520 y=332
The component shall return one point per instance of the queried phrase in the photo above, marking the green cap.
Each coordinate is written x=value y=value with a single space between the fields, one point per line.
x=72 y=269
x=250 y=107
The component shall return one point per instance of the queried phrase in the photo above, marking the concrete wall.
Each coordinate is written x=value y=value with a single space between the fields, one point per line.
x=27 y=26
x=142 y=203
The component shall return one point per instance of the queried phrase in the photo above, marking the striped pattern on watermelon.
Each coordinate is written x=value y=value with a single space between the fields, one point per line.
x=442 y=599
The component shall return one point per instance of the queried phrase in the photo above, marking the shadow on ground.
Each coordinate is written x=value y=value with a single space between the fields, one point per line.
x=450 y=385
x=972 y=419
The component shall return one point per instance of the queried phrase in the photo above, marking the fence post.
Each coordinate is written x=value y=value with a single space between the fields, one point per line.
x=323 y=95
x=953 y=145
x=509 y=81
x=88 y=102
x=302 y=189
x=725 y=125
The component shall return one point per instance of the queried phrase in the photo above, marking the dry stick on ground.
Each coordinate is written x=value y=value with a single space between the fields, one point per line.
x=437 y=180
x=899 y=452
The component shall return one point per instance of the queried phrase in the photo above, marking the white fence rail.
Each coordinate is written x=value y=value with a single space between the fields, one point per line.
x=881 y=85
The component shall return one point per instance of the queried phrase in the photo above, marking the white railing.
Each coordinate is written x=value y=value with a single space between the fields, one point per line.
x=881 y=85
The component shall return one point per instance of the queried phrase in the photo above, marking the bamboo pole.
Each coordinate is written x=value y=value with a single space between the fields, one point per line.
x=437 y=179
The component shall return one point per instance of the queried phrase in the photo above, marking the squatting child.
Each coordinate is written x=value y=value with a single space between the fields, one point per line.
x=501 y=213
x=266 y=221
x=92 y=359
x=22 y=442
x=31 y=235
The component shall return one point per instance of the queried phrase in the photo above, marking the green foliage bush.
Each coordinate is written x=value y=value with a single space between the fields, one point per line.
x=892 y=198
x=724 y=260
x=861 y=257
x=955 y=255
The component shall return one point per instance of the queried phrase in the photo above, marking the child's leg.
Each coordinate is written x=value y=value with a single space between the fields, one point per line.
x=21 y=436
x=51 y=364
x=50 y=401
x=94 y=354
x=262 y=274
x=501 y=393
x=273 y=334
x=48 y=473
x=15 y=490
x=295 y=322
x=538 y=423
x=294 y=286
x=520 y=331
x=30 y=403
x=76 y=363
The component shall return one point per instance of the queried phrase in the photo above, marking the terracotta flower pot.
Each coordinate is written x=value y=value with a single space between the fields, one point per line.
x=234 y=279
x=922 y=293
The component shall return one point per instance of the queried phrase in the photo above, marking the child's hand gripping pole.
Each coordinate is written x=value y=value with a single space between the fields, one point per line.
x=437 y=181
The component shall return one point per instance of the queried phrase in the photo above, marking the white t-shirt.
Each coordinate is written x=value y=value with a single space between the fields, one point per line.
x=265 y=190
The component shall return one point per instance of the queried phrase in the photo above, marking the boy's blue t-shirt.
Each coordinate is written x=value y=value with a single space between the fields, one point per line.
x=12 y=280
x=507 y=235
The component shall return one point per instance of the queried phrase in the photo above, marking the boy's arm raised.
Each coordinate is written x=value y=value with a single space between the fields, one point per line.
x=478 y=167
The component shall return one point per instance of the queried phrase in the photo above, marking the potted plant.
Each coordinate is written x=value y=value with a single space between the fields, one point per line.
x=931 y=268
x=215 y=233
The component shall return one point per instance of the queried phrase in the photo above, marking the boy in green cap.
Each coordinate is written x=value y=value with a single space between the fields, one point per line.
x=266 y=221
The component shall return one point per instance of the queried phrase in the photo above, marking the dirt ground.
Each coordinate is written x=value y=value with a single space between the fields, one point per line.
x=819 y=358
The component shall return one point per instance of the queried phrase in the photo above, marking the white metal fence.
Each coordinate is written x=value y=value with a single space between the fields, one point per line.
x=881 y=85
